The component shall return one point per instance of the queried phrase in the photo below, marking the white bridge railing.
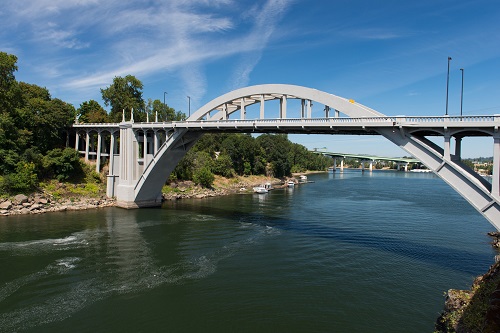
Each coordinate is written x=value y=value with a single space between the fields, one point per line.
x=423 y=121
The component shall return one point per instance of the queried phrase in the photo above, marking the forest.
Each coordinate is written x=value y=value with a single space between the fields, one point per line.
x=35 y=130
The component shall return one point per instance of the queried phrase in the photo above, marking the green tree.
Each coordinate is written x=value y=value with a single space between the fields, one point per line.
x=275 y=148
x=204 y=177
x=241 y=148
x=92 y=112
x=62 y=164
x=7 y=81
x=24 y=180
x=223 y=166
x=125 y=94
x=164 y=112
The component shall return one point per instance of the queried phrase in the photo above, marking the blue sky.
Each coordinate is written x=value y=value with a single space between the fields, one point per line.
x=388 y=55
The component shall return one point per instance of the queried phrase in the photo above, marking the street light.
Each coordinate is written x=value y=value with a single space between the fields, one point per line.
x=447 y=85
x=189 y=105
x=462 y=93
x=165 y=105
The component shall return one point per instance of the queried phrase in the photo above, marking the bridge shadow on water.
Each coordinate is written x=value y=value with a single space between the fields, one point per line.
x=459 y=260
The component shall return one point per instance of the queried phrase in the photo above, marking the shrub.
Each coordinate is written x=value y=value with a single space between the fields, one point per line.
x=24 y=180
x=62 y=164
x=204 y=177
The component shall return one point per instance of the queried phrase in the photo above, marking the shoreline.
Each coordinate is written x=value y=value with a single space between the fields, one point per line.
x=40 y=203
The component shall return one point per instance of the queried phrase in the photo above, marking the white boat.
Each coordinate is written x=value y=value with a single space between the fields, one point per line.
x=303 y=178
x=260 y=190
x=290 y=183
x=420 y=170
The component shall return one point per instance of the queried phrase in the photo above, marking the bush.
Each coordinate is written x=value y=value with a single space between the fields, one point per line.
x=204 y=177
x=223 y=166
x=24 y=180
x=62 y=164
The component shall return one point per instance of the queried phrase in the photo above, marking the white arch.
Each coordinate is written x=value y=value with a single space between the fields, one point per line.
x=253 y=94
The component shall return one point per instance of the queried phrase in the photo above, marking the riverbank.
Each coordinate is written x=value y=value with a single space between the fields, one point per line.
x=221 y=186
x=64 y=197
x=477 y=309
x=40 y=203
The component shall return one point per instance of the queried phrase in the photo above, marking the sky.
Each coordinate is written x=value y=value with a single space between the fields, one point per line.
x=389 y=55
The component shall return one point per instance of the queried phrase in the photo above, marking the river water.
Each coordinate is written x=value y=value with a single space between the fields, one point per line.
x=351 y=252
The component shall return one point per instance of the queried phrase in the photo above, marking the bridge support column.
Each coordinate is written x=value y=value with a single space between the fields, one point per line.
x=125 y=190
x=77 y=141
x=362 y=166
x=309 y=109
x=243 y=108
x=458 y=148
x=145 y=149
x=327 y=111
x=98 y=156
x=342 y=165
x=156 y=141
x=283 y=107
x=495 y=185
x=111 y=183
x=261 y=106
x=447 y=155
x=87 y=146
x=371 y=166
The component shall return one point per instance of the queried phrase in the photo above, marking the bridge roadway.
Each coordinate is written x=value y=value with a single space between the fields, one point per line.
x=149 y=151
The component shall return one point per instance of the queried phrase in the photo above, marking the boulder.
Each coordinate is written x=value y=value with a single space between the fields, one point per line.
x=24 y=211
x=35 y=207
x=6 y=205
x=20 y=199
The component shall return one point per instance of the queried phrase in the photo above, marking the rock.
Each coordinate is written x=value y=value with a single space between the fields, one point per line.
x=20 y=199
x=24 y=211
x=35 y=207
x=26 y=204
x=6 y=205
x=43 y=201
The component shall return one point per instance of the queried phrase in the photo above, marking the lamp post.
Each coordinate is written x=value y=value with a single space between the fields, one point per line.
x=447 y=85
x=165 y=105
x=189 y=106
x=462 y=93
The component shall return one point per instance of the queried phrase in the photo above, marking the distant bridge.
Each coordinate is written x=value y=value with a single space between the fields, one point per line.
x=148 y=152
x=401 y=161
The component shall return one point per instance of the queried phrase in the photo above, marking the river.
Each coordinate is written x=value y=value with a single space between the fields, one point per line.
x=351 y=252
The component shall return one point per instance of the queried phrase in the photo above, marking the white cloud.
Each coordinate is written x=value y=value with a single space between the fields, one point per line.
x=92 y=41
x=266 y=19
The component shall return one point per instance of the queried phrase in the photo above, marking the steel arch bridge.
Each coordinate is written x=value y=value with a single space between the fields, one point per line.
x=148 y=152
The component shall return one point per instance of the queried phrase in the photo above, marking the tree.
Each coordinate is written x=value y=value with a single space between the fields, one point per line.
x=62 y=164
x=7 y=80
x=125 y=94
x=92 y=112
x=164 y=112
x=204 y=177
x=223 y=166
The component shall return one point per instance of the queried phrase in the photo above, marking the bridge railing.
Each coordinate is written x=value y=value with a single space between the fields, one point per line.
x=387 y=120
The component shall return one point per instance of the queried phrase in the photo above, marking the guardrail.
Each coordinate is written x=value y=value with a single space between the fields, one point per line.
x=388 y=120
